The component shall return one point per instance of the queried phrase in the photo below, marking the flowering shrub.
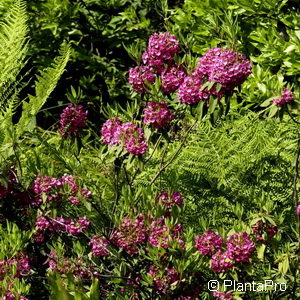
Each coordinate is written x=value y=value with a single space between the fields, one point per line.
x=182 y=190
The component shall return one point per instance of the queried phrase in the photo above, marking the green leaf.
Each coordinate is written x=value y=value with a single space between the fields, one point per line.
x=261 y=251
x=45 y=84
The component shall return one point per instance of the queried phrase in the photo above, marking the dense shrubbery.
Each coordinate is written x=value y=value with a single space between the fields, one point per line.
x=193 y=174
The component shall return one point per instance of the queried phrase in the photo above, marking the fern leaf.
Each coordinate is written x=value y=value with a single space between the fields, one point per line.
x=44 y=86
x=13 y=46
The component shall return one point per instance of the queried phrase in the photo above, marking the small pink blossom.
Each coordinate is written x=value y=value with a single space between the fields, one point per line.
x=287 y=97
x=298 y=209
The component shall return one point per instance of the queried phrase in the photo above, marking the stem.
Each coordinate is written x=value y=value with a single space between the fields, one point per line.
x=296 y=201
x=162 y=168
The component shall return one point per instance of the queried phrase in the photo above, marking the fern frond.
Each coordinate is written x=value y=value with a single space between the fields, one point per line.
x=44 y=86
x=13 y=47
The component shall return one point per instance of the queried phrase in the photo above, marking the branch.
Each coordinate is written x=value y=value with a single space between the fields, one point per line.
x=175 y=154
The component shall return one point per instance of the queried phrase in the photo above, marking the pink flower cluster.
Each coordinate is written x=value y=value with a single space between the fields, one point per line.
x=76 y=266
x=46 y=225
x=110 y=131
x=221 y=261
x=52 y=189
x=240 y=246
x=286 y=97
x=162 y=47
x=10 y=296
x=140 y=78
x=21 y=262
x=298 y=209
x=129 y=135
x=239 y=249
x=131 y=234
x=223 y=67
x=157 y=114
x=160 y=235
x=223 y=295
x=163 y=280
x=190 y=90
x=264 y=231
x=72 y=119
x=169 y=199
x=159 y=61
x=209 y=242
x=99 y=246
x=172 y=78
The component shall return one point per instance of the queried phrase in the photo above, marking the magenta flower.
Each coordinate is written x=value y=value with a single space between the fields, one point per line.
x=223 y=295
x=162 y=47
x=131 y=234
x=240 y=246
x=223 y=66
x=175 y=198
x=110 y=131
x=160 y=235
x=287 y=97
x=222 y=261
x=190 y=92
x=72 y=119
x=171 y=79
x=133 y=139
x=140 y=78
x=298 y=209
x=264 y=231
x=99 y=246
x=163 y=280
x=208 y=243
x=157 y=114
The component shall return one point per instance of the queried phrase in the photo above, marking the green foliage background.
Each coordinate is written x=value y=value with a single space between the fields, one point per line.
x=230 y=172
